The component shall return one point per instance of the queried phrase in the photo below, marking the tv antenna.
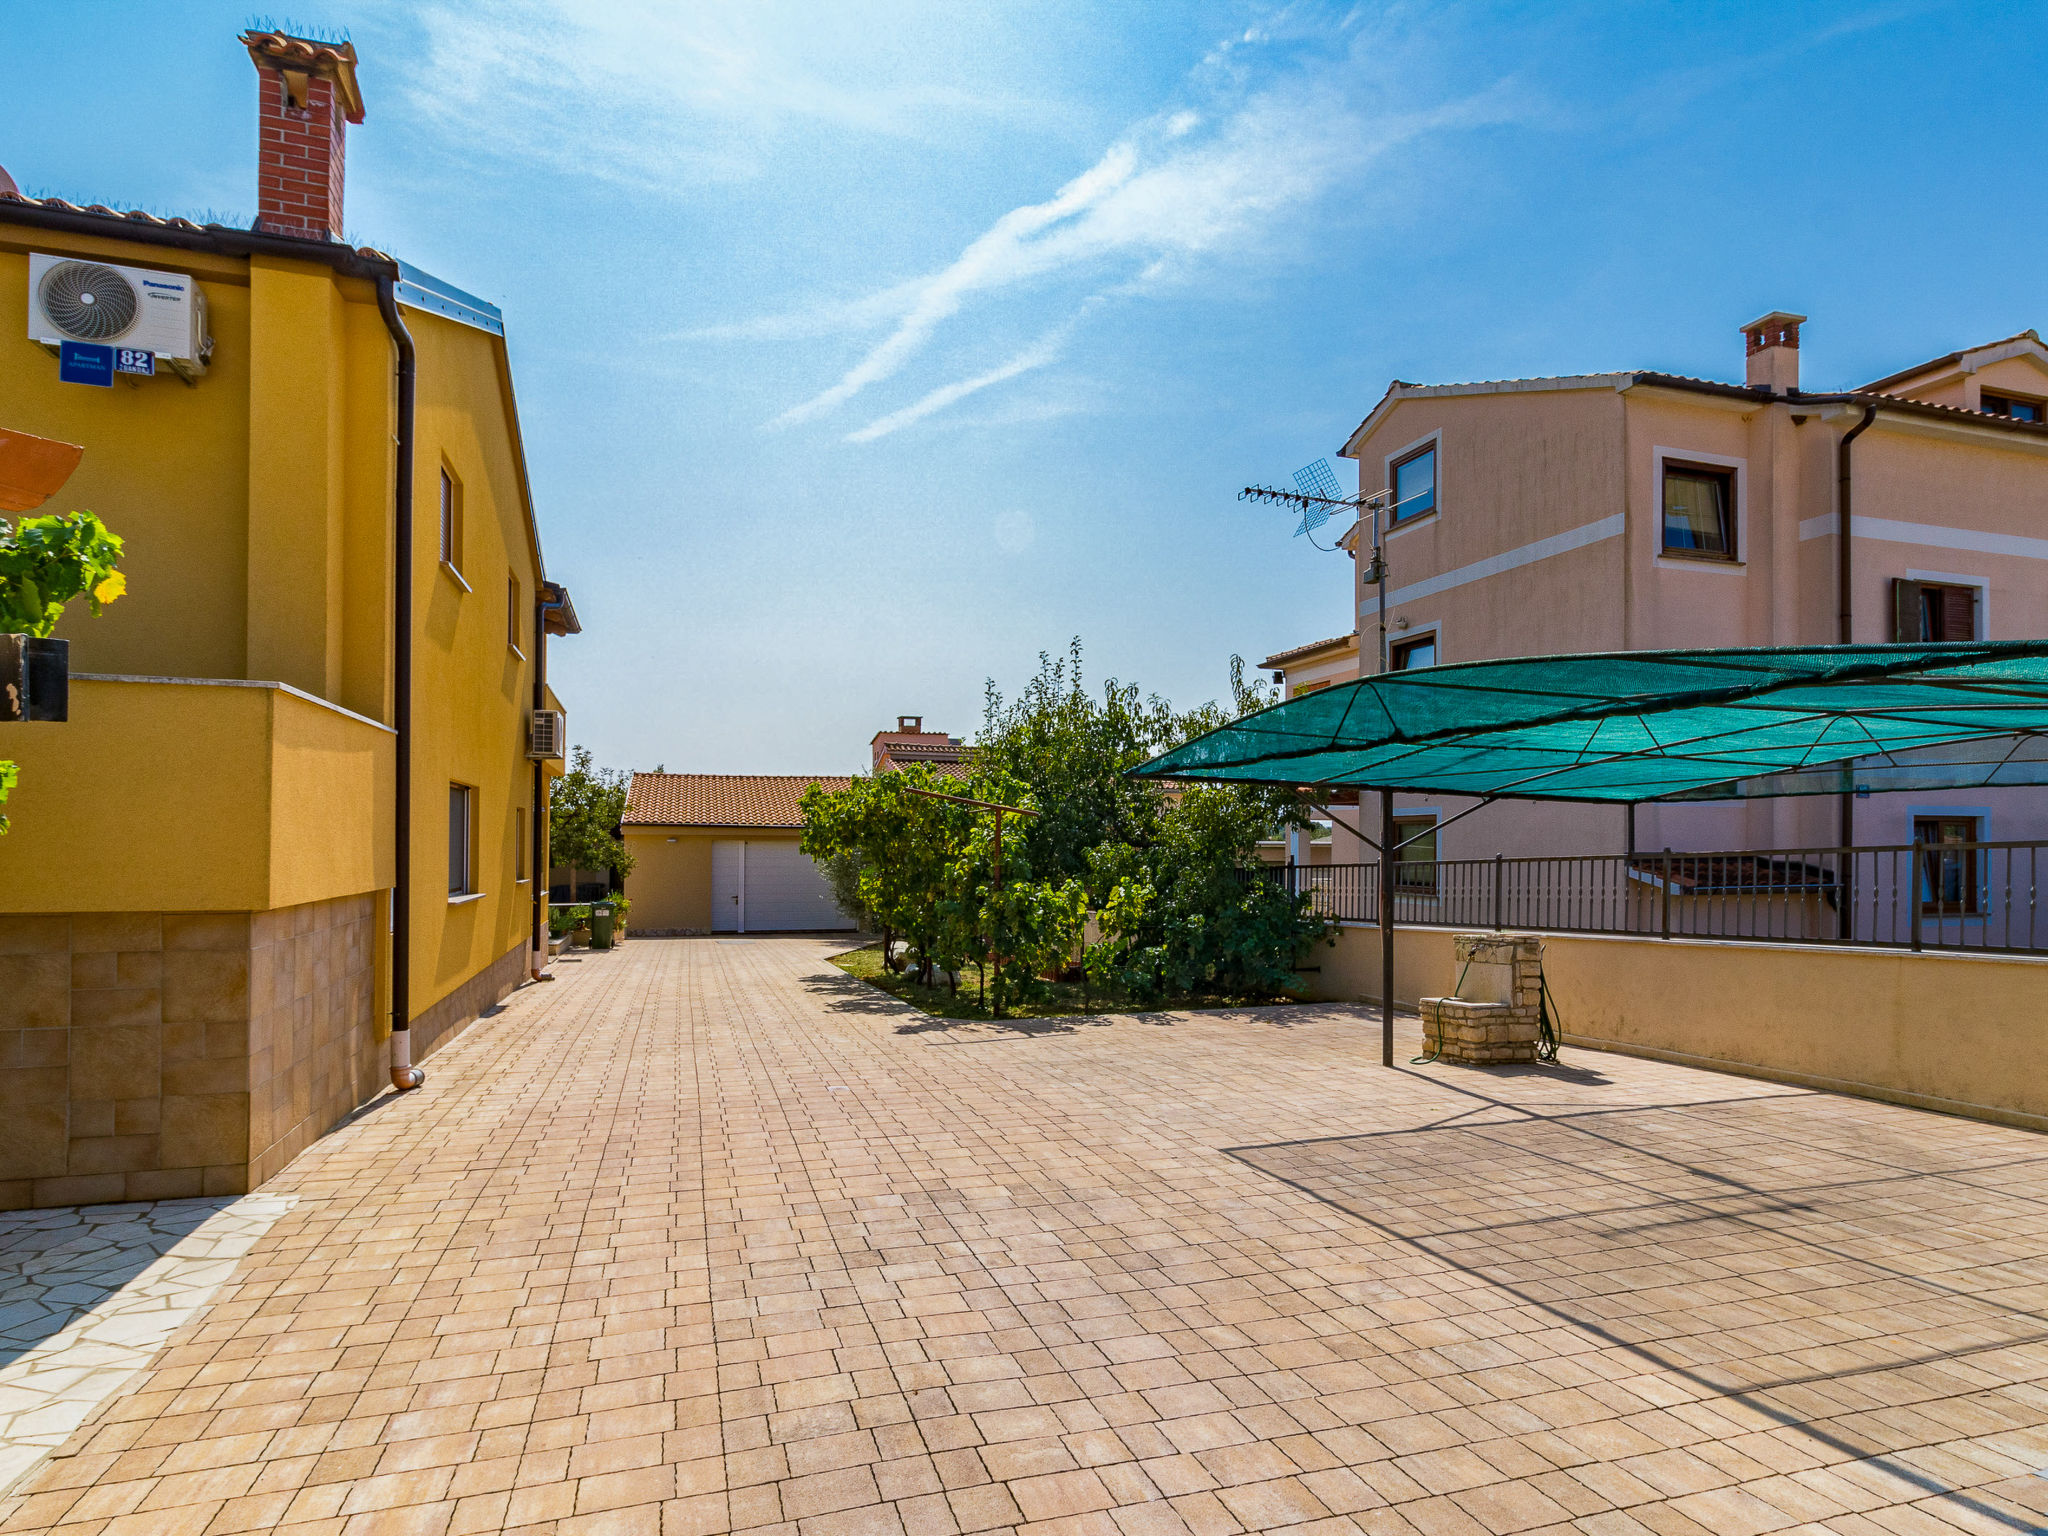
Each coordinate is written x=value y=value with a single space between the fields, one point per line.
x=1316 y=496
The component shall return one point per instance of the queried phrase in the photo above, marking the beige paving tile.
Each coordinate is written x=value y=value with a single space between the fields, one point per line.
x=705 y=1237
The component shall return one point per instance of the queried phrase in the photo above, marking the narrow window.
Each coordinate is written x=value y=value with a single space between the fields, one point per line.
x=1699 y=512
x=1415 y=863
x=451 y=521
x=512 y=612
x=1948 y=864
x=461 y=802
x=1933 y=610
x=2018 y=408
x=1410 y=654
x=519 y=845
x=1415 y=486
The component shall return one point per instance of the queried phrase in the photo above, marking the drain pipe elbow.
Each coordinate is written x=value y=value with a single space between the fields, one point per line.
x=404 y=1074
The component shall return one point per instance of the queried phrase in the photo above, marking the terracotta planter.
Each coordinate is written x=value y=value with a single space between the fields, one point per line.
x=35 y=678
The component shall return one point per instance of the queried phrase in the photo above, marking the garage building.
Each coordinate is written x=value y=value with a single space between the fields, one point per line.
x=718 y=853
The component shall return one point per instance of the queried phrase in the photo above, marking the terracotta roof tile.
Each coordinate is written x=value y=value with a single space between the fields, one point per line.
x=1280 y=658
x=138 y=216
x=721 y=799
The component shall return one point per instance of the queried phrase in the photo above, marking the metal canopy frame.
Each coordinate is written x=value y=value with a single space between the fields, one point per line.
x=1637 y=727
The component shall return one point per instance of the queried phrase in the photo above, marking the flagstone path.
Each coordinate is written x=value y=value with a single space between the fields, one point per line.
x=707 y=1237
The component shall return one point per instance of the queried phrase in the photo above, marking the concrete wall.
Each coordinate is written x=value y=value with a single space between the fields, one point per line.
x=1958 y=1033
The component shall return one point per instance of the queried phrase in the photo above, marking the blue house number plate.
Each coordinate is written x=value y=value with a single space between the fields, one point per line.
x=85 y=362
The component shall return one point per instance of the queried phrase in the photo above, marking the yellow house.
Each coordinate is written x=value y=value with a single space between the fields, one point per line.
x=284 y=844
x=719 y=853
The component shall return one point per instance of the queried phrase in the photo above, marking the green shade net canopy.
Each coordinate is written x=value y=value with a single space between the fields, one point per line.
x=1632 y=726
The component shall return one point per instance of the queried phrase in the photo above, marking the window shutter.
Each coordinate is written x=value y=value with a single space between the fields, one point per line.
x=1906 y=610
x=1958 y=613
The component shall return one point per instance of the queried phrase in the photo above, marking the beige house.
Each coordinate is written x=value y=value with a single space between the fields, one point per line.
x=1644 y=510
x=1304 y=670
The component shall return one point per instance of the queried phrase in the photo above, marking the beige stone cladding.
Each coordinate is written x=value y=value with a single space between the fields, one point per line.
x=1499 y=1007
x=154 y=1056
x=315 y=1032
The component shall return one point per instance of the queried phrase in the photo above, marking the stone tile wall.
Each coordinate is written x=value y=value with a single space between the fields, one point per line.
x=316 y=1037
x=148 y=1056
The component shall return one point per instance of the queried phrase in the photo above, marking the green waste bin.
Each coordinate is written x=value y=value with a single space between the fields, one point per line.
x=601 y=926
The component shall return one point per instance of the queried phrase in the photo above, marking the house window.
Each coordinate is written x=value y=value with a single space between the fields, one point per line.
x=1407 y=655
x=513 y=615
x=1415 y=486
x=1415 y=864
x=451 y=521
x=519 y=845
x=1699 y=512
x=1933 y=610
x=461 y=844
x=2017 y=408
x=1948 y=873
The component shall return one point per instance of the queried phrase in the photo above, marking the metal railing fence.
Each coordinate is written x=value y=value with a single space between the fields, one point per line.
x=1969 y=896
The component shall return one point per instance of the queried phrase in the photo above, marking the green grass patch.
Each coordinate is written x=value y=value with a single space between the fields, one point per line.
x=1067 y=997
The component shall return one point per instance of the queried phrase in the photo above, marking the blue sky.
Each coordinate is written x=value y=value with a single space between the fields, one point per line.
x=865 y=351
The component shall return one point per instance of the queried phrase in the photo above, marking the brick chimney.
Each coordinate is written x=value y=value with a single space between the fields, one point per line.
x=1773 y=345
x=307 y=96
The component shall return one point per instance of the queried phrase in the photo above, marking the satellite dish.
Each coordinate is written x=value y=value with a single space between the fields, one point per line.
x=88 y=301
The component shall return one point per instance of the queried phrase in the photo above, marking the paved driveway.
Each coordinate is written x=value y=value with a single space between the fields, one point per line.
x=706 y=1237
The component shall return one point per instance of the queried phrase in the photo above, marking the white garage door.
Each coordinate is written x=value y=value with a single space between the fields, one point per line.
x=764 y=887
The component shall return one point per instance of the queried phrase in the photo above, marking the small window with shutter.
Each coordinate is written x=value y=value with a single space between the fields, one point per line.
x=1933 y=610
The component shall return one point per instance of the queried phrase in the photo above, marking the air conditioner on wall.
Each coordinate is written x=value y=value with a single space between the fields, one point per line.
x=163 y=313
x=545 y=738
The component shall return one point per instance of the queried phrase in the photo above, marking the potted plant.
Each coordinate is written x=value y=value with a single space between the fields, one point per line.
x=46 y=562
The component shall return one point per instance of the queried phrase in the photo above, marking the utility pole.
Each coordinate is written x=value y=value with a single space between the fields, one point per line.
x=1316 y=504
x=1376 y=573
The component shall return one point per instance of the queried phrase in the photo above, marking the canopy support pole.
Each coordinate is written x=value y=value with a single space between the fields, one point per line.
x=1386 y=927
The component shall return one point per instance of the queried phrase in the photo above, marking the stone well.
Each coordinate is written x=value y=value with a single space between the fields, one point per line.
x=1499 y=1008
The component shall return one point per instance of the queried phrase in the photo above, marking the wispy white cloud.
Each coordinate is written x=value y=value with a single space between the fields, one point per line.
x=1177 y=188
x=1041 y=352
x=1003 y=255
x=675 y=94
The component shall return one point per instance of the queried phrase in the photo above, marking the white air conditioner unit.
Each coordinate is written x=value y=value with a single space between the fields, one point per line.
x=545 y=738
x=130 y=308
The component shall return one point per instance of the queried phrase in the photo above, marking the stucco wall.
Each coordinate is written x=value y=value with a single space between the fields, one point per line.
x=670 y=886
x=1959 y=1033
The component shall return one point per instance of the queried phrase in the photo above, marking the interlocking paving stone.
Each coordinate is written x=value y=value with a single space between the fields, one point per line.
x=89 y=1294
x=707 y=1237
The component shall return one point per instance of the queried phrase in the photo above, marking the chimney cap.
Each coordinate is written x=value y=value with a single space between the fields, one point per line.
x=308 y=57
x=1776 y=320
